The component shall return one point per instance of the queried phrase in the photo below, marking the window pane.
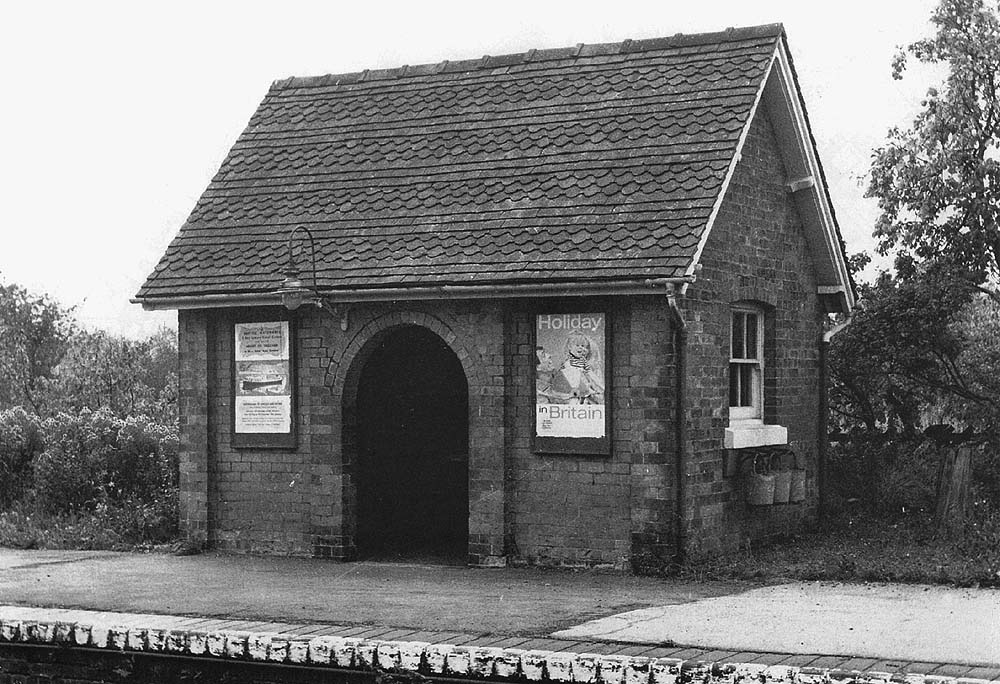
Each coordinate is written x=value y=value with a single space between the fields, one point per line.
x=737 y=351
x=751 y=326
x=746 y=384
x=734 y=384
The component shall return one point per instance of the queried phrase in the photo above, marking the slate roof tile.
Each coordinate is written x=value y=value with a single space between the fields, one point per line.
x=597 y=162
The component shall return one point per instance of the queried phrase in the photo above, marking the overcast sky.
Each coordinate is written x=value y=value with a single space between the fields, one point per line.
x=115 y=116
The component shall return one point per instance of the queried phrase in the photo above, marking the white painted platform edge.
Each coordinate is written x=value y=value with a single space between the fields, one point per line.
x=476 y=662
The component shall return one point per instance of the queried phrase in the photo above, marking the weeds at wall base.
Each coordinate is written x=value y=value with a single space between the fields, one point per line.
x=120 y=528
x=862 y=549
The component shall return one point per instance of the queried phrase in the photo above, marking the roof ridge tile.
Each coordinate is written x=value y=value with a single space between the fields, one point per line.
x=627 y=46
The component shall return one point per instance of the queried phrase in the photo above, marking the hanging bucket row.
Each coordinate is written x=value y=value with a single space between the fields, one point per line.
x=774 y=479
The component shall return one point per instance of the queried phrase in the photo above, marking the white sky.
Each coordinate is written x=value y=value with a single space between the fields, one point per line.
x=115 y=116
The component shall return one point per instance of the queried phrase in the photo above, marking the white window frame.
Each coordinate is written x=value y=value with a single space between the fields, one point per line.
x=754 y=413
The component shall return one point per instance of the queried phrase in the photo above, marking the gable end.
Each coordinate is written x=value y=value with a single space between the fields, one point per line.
x=781 y=99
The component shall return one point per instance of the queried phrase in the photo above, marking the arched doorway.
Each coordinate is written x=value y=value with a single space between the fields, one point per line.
x=413 y=442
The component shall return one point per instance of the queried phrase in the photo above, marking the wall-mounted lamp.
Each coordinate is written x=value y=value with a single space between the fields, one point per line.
x=293 y=291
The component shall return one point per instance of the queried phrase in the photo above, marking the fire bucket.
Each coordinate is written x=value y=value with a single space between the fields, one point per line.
x=760 y=485
x=797 y=491
x=782 y=486
x=782 y=479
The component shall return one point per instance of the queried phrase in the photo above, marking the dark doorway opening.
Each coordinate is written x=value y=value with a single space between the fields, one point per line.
x=413 y=439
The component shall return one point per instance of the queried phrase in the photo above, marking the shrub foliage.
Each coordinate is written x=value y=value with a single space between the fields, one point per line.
x=88 y=436
x=20 y=441
x=87 y=480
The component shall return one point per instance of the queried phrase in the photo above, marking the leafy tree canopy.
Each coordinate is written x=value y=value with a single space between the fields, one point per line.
x=127 y=376
x=924 y=344
x=919 y=345
x=938 y=182
x=34 y=334
x=49 y=364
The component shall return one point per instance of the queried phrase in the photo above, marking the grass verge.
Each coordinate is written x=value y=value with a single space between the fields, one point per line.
x=860 y=549
x=108 y=528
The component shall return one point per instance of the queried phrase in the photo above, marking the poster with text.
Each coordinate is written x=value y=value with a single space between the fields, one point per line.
x=263 y=378
x=570 y=376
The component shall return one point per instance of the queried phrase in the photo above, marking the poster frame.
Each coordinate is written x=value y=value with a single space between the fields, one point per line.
x=584 y=446
x=265 y=440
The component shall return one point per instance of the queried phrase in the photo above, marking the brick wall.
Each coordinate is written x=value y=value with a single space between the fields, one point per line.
x=261 y=500
x=299 y=501
x=608 y=510
x=64 y=665
x=756 y=252
x=525 y=506
x=192 y=400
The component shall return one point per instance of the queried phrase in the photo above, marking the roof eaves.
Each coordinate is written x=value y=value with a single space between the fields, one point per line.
x=825 y=199
x=639 y=286
x=819 y=163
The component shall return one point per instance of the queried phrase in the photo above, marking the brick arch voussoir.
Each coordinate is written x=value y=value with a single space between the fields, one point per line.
x=753 y=295
x=338 y=379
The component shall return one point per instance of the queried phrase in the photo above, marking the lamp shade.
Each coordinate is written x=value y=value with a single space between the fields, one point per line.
x=293 y=293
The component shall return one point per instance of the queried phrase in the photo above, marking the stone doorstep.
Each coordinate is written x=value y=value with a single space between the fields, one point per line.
x=138 y=634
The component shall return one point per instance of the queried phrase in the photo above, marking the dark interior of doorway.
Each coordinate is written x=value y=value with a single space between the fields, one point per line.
x=413 y=473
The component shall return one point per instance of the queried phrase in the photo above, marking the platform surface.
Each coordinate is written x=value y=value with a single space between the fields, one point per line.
x=938 y=631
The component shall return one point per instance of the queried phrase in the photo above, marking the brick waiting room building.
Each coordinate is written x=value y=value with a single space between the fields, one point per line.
x=550 y=307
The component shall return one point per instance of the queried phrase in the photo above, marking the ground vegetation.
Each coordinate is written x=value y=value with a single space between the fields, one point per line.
x=88 y=431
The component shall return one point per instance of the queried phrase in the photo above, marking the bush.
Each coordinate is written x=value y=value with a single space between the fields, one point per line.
x=980 y=536
x=879 y=525
x=891 y=478
x=906 y=483
x=94 y=458
x=87 y=480
x=146 y=461
x=117 y=528
x=71 y=474
x=986 y=473
x=20 y=442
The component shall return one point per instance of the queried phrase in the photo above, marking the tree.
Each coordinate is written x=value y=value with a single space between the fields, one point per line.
x=977 y=324
x=920 y=344
x=34 y=335
x=914 y=346
x=938 y=182
x=48 y=364
x=129 y=377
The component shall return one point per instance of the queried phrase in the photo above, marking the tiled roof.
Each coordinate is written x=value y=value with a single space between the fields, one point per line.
x=594 y=163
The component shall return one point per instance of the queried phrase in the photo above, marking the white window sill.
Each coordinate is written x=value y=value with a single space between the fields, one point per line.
x=754 y=435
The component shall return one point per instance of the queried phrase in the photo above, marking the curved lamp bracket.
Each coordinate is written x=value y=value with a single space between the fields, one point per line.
x=293 y=291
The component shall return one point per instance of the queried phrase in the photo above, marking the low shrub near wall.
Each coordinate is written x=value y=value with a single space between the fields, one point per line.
x=879 y=523
x=86 y=480
x=891 y=478
x=898 y=478
x=885 y=490
x=20 y=441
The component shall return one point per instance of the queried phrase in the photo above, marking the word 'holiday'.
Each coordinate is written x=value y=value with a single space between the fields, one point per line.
x=569 y=322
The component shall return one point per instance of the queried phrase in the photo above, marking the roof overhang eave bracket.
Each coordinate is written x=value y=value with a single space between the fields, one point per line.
x=629 y=287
